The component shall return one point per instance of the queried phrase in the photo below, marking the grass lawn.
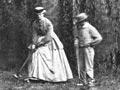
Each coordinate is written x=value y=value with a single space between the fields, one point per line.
x=104 y=82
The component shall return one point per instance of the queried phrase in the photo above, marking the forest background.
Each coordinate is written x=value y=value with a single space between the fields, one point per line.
x=16 y=17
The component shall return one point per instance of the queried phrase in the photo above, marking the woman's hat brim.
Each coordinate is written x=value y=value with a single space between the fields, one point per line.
x=38 y=9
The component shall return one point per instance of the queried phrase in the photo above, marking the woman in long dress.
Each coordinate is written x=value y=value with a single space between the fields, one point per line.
x=49 y=61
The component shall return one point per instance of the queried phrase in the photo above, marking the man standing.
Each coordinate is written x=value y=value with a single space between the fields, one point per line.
x=86 y=37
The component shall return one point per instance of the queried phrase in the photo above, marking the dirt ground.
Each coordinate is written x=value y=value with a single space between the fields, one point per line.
x=104 y=82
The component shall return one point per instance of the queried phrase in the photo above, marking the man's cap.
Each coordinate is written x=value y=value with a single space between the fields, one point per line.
x=39 y=9
x=82 y=16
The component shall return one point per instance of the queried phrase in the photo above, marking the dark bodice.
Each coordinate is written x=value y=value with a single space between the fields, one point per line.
x=39 y=27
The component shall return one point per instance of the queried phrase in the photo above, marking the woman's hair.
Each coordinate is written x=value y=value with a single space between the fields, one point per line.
x=38 y=11
x=80 y=22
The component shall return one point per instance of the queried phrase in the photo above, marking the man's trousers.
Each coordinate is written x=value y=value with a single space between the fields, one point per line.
x=86 y=62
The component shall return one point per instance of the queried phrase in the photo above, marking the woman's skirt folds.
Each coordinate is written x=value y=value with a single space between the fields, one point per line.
x=50 y=63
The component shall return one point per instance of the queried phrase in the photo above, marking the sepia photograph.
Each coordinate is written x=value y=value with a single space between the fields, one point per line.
x=59 y=44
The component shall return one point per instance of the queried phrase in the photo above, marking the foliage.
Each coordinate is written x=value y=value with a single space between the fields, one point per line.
x=65 y=24
x=16 y=18
x=104 y=15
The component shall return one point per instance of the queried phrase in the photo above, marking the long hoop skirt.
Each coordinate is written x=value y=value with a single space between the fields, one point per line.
x=50 y=63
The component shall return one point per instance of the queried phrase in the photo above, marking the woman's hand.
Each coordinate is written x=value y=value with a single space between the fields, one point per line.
x=31 y=46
